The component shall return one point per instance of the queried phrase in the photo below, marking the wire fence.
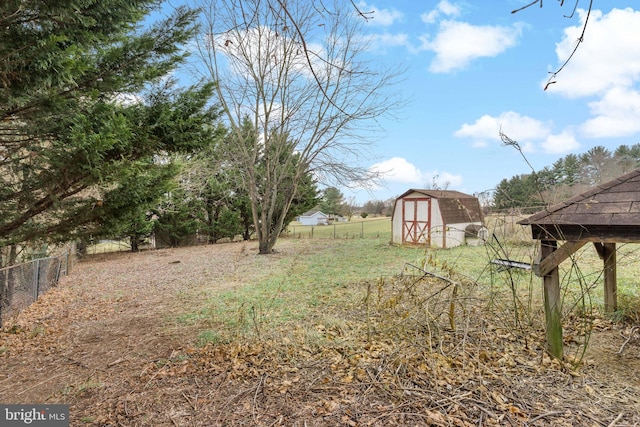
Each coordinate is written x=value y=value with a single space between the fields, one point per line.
x=22 y=284
x=372 y=228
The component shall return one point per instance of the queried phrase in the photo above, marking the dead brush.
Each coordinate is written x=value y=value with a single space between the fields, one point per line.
x=421 y=308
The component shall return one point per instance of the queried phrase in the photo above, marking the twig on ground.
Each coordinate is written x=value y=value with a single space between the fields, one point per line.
x=547 y=414
x=255 y=396
x=192 y=404
x=39 y=384
x=615 y=421
x=633 y=330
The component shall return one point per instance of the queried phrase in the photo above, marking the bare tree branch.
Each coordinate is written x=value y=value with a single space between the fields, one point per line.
x=579 y=41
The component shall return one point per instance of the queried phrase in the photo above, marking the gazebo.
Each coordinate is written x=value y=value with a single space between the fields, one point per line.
x=605 y=215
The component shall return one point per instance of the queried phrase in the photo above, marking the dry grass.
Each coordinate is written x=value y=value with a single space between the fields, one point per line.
x=322 y=333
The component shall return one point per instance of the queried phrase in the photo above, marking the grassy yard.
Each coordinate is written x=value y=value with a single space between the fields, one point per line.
x=339 y=272
x=375 y=227
x=322 y=332
x=366 y=254
x=321 y=272
x=106 y=246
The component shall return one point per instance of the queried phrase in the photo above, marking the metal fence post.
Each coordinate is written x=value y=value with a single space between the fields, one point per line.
x=36 y=276
x=58 y=268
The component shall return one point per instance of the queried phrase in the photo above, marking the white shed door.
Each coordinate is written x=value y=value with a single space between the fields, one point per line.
x=416 y=219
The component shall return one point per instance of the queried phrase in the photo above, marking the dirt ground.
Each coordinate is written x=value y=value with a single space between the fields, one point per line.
x=106 y=342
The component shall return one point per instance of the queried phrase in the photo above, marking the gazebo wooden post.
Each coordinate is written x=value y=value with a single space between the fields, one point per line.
x=552 y=302
x=607 y=252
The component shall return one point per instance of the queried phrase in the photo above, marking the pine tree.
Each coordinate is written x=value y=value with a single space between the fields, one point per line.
x=332 y=200
x=85 y=105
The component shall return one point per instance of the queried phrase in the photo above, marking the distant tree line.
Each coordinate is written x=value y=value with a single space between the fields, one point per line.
x=379 y=207
x=567 y=177
x=333 y=202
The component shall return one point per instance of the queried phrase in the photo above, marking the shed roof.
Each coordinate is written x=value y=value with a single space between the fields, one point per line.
x=455 y=207
x=608 y=210
x=438 y=194
x=314 y=212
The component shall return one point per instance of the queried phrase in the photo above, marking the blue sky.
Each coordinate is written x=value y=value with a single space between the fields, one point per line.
x=474 y=68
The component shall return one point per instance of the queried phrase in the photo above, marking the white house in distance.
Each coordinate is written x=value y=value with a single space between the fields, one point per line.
x=313 y=217
x=437 y=218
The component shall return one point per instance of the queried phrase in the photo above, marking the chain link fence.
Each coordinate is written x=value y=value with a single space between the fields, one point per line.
x=22 y=284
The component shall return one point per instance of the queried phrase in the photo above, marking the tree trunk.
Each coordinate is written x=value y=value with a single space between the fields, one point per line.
x=8 y=283
x=81 y=248
x=264 y=247
x=135 y=243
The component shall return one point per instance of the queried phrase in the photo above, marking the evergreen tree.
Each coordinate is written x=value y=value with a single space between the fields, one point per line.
x=214 y=178
x=569 y=176
x=146 y=183
x=597 y=165
x=82 y=103
x=332 y=200
x=518 y=192
x=179 y=217
x=571 y=170
x=627 y=158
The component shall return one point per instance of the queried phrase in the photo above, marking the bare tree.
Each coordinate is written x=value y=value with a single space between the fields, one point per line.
x=297 y=93
x=349 y=207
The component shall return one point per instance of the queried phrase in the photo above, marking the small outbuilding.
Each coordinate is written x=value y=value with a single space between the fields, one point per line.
x=437 y=218
x=313 y=217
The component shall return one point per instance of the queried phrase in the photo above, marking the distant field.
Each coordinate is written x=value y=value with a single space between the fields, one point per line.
x=363 y=228
x=372 y=228
x=105 y=246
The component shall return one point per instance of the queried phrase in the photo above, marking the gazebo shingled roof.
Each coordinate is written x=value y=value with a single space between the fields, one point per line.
x=607 y=213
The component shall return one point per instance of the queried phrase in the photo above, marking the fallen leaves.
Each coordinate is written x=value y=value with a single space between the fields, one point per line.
x=395 y=361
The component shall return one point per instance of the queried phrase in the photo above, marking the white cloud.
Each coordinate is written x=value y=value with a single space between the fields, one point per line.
x=530 y=134
x=448 y=9
x=609 y=56
x=561 y=143
x=400 y=170
x=606 y=68
x=458 y=43
x=455 y=43
x=380 y=42
x=382 y=17
x=124 y=99
x=617 y=114
x=520 y=128
x=443 y=8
